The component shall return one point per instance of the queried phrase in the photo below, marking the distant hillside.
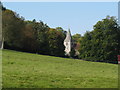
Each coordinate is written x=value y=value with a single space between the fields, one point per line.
x=25 y=70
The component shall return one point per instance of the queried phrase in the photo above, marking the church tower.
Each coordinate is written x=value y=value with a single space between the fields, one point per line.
x=68 y=43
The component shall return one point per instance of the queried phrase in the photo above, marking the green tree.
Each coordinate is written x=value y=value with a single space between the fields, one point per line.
x=76 y=45
x=41 y=35
x=103 y=43
x=12 y=27
x=29 y=38
x=56 y=38
x=76 y=37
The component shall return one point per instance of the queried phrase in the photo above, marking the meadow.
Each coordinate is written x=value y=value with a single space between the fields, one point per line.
x=26 y=70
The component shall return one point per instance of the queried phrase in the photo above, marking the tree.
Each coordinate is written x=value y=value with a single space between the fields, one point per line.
x=12 y=27
x=72 y=53
x=76 y=37
x=41 y=36
x=56 y=39
x=28 y=38
x=76 y=45
x=103 y=43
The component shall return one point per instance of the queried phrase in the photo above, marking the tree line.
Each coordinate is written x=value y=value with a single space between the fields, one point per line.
x=101 y=44
x=31 y=36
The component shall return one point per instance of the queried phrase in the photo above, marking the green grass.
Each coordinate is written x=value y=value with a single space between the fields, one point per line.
x=25 y=70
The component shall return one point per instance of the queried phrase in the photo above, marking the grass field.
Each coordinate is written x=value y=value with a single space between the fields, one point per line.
x=25 y=70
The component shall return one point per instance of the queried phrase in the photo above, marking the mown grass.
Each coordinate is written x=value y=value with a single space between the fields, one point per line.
x=25 y=70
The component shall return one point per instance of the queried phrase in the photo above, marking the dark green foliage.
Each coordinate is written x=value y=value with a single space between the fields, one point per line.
x=12 y=27
x=31 y=36
x=76 y=45
x=103 y=43
x=56 y=38
x=41 y=34
x=76 y=38
x=72 y=53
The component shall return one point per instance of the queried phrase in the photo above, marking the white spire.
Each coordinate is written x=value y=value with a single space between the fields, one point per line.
x=67 y=43
x=68 y=36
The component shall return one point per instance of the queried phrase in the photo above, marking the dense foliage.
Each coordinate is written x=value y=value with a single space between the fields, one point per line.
x=103 y=43
x=31 y=36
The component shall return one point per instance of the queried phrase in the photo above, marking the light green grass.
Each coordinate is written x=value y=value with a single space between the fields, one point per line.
x=25 y=70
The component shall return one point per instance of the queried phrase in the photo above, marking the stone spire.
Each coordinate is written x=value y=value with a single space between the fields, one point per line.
x=67 y=43
x=68 y=36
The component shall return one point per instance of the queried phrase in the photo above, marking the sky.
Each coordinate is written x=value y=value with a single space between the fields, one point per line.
x=78 y=16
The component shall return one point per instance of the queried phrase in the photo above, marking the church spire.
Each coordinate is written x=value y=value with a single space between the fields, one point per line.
x=68 y=36
x=67 y=43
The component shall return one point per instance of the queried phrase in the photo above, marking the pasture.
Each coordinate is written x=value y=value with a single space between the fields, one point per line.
x=26 y=70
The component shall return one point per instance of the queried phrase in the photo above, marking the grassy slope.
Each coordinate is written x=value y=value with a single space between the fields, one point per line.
x=32 y=70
